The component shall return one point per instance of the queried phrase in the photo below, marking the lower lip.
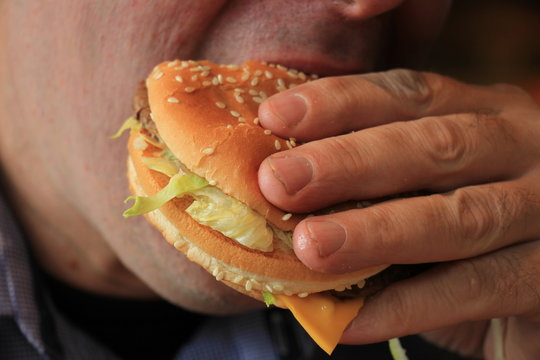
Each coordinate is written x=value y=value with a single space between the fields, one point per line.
x=320 y=65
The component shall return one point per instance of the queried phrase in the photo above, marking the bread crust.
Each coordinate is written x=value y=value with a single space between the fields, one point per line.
x=246 y=270
x=221 y=140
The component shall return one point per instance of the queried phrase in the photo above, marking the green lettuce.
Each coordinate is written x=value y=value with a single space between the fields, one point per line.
x=178 y=185
x=232 y=218
x=268 y=298
x=131 y=123
x=397 y=351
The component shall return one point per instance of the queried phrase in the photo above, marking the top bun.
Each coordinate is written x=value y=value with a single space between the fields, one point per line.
x=222 y=140
x=206 y=115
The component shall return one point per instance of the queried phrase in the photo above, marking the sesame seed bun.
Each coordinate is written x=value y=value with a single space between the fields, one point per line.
x=206 y=116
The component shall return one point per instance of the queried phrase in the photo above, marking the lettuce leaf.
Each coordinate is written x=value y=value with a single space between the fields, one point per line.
x=268 y=298
x=232 y=218
x=161 y=165
x=397 y=351
x=131 y=123
x=178 y=185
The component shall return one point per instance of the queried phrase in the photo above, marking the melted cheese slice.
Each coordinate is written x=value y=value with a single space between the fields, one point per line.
x=323 y=316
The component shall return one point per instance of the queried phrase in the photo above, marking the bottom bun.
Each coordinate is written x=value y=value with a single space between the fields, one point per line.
x=246 y=270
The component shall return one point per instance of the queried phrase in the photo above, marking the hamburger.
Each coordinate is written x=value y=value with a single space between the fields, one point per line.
x=195 y=147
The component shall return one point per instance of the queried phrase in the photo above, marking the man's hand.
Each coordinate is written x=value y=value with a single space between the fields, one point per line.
x=475 y=148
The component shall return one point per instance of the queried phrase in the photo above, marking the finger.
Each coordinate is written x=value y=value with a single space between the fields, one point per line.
x=431 y=153
x=502 y=284
x=460 y=224
x=336 y=105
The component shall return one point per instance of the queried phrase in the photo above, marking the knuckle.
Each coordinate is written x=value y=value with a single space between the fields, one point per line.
x=485 y=216
x=446 y=141
x=476 y=217
x=386 y=235
x=340 y=153
x=406 y=85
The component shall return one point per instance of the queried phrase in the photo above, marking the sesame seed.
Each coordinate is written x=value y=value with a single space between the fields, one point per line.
x=291 y=85
x=278 y=287
x=288 y=143
x=158 y=75
x=267 y=132
x=253 y=92
x=263 y=95
x=302 y=76
x=206 y=68
x=220 y=105
x=215 y=271
x=235 y=113
x=195 y=69
x=152 y=116
x=215 y=81
x=286 y=216
x=208 y=151
x=256 y=121
x=220 y=79
x=245 y=76
x=281 y=82
x=314 y=76
x=239 y=90
x=229 y=126
x=207 y=83
x=239 y=98
x=257 y=99
x=303 y=295
x=189 y=89
x=281 y=67
x=205 y=73
x=194 y=77
x=173 y=100
x=237 y=279
x=220 y=276
x=233 y=67
x=361 y=283
x=231 y=79
x=212 y=182
x=292 y=74
x=277 y=145
x=241 y=119
x=248 y=285
x=254 y=81
x=268 y=288
x=177 y=244
x=172 y=63
x=268 y=74
x=258 y=72
x=179 y=78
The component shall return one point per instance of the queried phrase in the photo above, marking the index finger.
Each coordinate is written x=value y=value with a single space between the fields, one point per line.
x=337 y=105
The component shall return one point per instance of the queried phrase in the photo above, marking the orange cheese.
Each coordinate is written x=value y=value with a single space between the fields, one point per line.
x=323 y=316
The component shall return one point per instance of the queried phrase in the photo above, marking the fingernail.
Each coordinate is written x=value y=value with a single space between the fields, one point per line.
x=328 y=236
x=293 y=172
x=288 y=109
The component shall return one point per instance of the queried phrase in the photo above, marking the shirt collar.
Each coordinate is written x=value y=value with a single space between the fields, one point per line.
x=17 y=293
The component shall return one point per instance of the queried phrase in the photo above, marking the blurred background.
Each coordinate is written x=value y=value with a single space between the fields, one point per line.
x=489 y=41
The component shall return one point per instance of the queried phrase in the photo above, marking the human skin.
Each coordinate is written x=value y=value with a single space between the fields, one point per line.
x=476 y=149
x=68 y=72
